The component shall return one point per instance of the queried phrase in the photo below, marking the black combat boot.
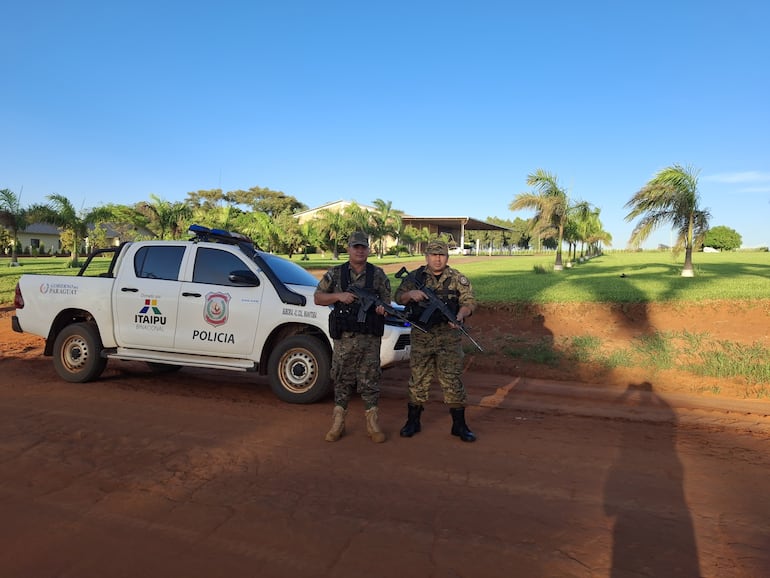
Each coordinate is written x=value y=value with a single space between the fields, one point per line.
x=412 y=425
x=459 y=427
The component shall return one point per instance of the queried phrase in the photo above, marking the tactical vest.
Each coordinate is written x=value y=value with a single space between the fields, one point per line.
x=344 y=316
x=450 y=298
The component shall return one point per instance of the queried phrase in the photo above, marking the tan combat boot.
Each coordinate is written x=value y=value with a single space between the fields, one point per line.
x=373 y=427
x=338 y=425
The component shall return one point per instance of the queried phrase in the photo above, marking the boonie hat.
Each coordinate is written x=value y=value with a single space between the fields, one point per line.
x=437 y=248
x=358 y=238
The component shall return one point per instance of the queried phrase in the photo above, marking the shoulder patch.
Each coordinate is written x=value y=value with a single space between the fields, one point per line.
x=463 y=280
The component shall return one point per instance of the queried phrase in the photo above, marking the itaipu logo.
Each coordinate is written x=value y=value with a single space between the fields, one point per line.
x=150 y=314
x=216 y=309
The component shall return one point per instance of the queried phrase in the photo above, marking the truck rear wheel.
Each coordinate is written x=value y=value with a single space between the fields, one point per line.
x=298 y=369
x=77 y=353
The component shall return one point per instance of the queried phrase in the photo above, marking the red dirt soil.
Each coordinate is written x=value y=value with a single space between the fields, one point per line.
x=578 y=470
x=620 y=326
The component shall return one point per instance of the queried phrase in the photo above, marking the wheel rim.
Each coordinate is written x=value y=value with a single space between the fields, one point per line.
x=298 y=370
x=75 y=353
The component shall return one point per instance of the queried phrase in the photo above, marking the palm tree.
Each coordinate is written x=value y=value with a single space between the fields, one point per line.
x=167 y=217
x=290 y=238
x=129 y=222
x=672 y=197
x=358 y=218
x=311 y=237
x=582 y=217
x=572 y=236
x=551 y=206
x=13 y=217
x=595 y=234
x=386 y=222
x=62 y=213
x=227 y=217
x=409 y=236
x=261 y=228
x=333 y=228
x=423 y=236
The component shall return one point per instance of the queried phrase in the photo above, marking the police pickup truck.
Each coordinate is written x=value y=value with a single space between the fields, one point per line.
x=214 y=301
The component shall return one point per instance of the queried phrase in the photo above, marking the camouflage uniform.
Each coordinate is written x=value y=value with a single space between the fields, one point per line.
x=439 y=350
x=356 y=357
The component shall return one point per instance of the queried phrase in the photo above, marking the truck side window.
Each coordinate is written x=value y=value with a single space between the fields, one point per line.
x=214 y=267
x=159 y=262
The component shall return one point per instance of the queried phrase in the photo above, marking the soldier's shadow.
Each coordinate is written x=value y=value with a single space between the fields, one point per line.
x=652 y=533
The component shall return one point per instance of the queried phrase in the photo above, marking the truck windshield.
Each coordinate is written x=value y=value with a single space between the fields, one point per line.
x=288 y=272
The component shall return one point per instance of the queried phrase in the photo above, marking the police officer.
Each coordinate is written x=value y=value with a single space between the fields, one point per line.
x=356 y=356
x=439 y=350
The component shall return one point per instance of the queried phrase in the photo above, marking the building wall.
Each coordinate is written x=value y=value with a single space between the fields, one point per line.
x=48 y=235
x=50 y=242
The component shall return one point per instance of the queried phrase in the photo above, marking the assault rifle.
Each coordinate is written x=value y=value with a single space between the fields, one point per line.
x=435 y=304
x=370 y=299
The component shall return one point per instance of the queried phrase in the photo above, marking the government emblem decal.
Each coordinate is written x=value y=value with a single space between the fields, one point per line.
x=216 y=309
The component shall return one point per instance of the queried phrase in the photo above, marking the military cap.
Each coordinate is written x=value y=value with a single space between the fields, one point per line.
x=358 y=238
x=437 y=248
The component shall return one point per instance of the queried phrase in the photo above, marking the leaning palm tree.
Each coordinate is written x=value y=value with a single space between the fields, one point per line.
x=671 y=197
x=12 y=217
x=551 y=206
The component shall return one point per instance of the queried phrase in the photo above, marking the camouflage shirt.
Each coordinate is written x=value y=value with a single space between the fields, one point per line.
x=331 y=282
x=457 y=282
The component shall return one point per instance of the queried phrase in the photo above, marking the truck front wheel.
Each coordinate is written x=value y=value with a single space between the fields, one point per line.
x=77 y=353
x=298 y=369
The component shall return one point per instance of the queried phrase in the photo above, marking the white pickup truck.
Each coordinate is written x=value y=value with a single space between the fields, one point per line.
x=214 y=301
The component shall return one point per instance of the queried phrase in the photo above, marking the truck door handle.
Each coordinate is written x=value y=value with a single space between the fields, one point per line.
x=186 y=294
x=129 y=289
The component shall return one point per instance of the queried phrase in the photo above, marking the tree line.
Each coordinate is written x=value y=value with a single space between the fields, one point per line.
x=268 y=217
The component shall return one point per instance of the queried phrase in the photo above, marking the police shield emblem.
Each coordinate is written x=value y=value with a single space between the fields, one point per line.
x=216 y=309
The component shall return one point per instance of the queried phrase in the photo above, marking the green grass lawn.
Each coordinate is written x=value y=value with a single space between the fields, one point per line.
x=41 y=266
x=614 y=277
x=621 y=278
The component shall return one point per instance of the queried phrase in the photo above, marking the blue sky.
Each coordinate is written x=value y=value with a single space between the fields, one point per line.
x=442 y=108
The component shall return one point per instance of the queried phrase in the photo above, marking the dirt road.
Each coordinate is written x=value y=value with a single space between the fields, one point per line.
x=206 y=474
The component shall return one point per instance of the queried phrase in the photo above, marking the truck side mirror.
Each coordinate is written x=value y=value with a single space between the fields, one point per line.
x=244 y=277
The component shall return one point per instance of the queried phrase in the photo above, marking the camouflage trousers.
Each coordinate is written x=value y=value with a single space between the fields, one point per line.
x=356 y=367
x=437 y=353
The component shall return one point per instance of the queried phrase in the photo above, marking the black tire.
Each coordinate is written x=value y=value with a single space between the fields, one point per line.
x=156 y=367
x=77 y=353
x=298 y=369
